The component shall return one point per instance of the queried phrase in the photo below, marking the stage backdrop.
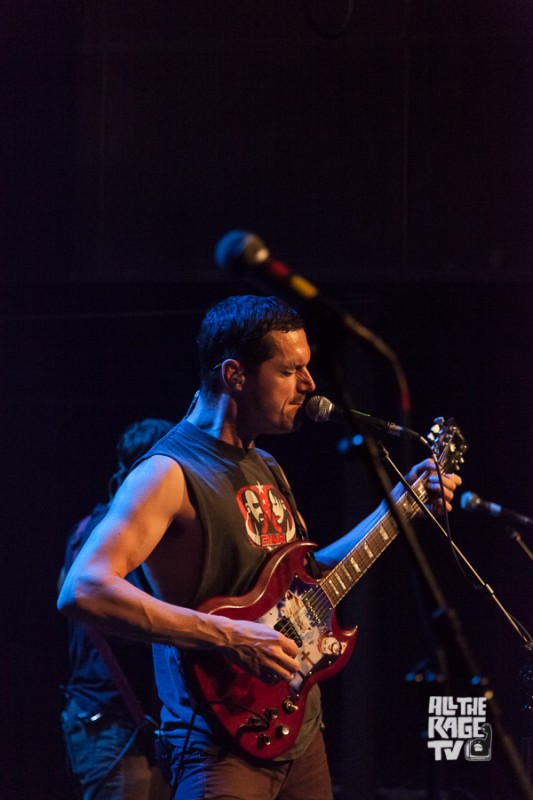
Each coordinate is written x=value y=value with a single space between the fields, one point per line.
x=381 y=149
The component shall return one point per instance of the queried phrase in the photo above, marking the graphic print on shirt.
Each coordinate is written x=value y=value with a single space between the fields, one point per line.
x=267 y=515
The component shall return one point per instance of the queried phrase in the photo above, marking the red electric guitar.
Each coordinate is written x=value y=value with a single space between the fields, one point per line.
x=264 y=719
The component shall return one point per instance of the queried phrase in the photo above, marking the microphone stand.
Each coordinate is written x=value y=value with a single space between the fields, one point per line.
x=445 y=614
x=516 y=537
x=372 y=456
x=526 y=676
x=328 y=328
x=329 y=324
x=526 y=679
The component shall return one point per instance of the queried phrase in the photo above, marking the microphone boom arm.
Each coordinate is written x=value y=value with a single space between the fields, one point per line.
x=526 y=640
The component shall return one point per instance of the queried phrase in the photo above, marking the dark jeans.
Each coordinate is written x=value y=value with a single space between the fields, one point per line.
x=229 y=777
x=92 y=750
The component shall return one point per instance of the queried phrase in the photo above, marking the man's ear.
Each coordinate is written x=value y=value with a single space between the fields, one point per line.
x=233 y=373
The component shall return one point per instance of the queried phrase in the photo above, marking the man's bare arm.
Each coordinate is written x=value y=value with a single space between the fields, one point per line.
x=95 y=589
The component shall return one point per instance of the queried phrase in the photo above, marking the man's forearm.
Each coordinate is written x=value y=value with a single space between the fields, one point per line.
x=121 y=609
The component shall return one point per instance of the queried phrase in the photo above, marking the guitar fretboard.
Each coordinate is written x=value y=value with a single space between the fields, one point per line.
x=353 y=566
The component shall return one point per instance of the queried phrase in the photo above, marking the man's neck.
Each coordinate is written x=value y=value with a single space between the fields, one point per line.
x=218 y=417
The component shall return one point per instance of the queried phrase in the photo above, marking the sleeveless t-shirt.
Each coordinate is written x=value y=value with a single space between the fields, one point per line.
x=245 y=509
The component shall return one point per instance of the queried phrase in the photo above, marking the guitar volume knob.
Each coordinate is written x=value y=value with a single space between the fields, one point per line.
x=263 y=740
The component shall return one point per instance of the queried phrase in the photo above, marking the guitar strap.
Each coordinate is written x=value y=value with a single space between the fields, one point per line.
x=301 y=532
x=131 y=700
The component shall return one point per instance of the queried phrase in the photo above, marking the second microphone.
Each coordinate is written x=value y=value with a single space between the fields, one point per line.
x=320 y=409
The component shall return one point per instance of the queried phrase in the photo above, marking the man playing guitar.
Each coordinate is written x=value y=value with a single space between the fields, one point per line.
x=201 y=513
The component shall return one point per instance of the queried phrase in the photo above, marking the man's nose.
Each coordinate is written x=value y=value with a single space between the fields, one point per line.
x=307 y=381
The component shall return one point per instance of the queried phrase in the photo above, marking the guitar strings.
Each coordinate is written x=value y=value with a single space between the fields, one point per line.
x=317 y=597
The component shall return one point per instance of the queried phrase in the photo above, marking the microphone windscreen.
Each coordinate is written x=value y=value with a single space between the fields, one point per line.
x=237 y=251
x=469 y=501
x=318 y=408
x=229 y=250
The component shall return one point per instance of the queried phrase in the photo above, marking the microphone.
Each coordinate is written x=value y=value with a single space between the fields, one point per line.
x=320 y=409
x=243 y=252
x=472 y=502
x=246 y=254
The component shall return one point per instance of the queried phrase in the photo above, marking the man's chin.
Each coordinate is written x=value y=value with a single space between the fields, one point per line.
x=287 y=424
x=297 y=420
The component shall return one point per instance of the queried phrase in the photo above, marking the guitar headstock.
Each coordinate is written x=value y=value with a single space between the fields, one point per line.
x=448 y=444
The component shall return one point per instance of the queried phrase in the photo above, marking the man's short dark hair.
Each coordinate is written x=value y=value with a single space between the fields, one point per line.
x=237 y=328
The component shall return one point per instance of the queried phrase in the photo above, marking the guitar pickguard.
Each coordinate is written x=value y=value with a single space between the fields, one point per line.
x=305 y=615
x=265 y=719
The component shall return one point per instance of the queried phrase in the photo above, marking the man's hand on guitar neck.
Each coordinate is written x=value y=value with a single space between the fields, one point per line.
x=331 y=554
x=450 y=482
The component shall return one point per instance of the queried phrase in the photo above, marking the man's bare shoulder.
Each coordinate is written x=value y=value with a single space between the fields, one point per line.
x=154 y=471
x=157 y=464
x=157 y=483
x=158 y=479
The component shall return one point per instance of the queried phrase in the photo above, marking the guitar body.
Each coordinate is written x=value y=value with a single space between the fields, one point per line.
x=265 y=719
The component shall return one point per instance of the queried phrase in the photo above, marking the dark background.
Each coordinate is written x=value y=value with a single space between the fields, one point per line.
x=383 y=149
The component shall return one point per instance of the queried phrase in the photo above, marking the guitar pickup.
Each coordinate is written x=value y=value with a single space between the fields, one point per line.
x=285 y=626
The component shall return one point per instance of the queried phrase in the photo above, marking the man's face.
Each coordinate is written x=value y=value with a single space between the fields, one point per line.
x=253 y=506
x=273 y=396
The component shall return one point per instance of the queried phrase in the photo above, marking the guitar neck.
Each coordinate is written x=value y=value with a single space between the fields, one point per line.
x=353 y=566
